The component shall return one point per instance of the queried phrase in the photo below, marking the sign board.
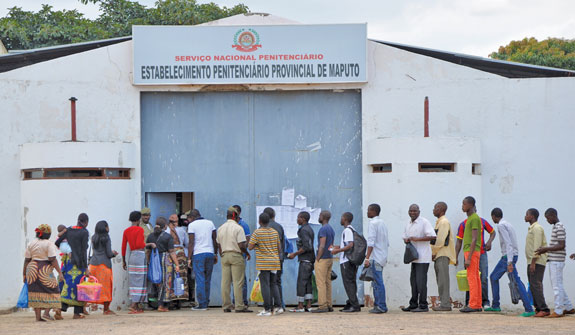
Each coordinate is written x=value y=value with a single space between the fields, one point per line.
x=277 y=54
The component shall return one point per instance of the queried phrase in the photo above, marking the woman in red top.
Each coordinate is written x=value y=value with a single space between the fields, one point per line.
x=137 y=268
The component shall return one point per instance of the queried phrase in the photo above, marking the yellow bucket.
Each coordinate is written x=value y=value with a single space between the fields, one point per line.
x=462 y=282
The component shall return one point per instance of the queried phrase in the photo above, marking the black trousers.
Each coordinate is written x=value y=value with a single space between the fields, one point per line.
x=77 y=309
x=279 y=284
x=270 y=291
x=418 y=280
x=304 y=286
x=349 y=277
x=536 y=284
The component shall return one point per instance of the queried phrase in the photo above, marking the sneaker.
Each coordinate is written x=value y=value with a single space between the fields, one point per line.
x=541 y=314
x=377 y=310
x=555 y=315
x=492 y=309
x=420 y=310
x=265 y=313
x=244 y=310
x=470 y=310
x=198 y=308
x=319 y=310
x=527 y=314
x=297 y=310
x=279 y=310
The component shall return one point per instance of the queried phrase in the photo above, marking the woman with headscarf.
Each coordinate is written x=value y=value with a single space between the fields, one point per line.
x=100 y=264
x=75 y=265
x=165 y=244
x=180 y=248
x=39 y=263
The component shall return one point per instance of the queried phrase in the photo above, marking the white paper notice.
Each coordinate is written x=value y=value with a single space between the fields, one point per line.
x=300 y=201
x=314 y=213
x=288 y=195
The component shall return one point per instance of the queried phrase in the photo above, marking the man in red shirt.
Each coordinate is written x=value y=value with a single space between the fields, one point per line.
x=483 y=263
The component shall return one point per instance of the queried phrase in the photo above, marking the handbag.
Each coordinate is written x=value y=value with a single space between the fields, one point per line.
x=410 y=253
x=514 y=289
x=446 y=243
x=155 y=270
x=366 y=274
x=23 y=298
x=333 y=275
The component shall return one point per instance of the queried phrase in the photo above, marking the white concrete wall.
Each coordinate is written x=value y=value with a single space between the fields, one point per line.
x=34 y=108
x=526 y=150
x=405 y=185
x=523 y=126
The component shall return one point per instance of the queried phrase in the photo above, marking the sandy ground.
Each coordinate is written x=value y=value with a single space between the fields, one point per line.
x=215 y=321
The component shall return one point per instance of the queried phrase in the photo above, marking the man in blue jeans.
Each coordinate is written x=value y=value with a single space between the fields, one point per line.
x=377 y=245
x=202 y=250
x=509 y=249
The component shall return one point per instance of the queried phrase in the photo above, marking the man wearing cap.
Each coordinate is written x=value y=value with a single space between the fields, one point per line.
x=231 y=240
x=145 y=222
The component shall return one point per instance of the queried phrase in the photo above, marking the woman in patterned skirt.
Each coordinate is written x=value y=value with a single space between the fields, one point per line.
x=75 y=265
x=39 y=265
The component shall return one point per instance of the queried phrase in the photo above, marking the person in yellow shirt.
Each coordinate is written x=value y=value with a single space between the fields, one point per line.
x=536 y=263
x=443 y=254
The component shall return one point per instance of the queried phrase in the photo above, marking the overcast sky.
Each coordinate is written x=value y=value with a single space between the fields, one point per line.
x=475 y=27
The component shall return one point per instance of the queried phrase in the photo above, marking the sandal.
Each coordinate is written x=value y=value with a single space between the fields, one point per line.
x=163 y=309
x=135 y=311
x=79 y=316
x=296 y=310
x=58 y=315
x=109 y=312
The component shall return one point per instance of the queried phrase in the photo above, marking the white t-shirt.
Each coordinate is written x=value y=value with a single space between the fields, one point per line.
x=202 y=230
x=420 y=228
x=346 y=237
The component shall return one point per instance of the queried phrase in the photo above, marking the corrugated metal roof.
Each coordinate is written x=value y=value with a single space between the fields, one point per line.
x=498 y=67
x=20 y=58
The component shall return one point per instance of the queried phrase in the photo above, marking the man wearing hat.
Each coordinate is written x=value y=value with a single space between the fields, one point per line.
x=145 y=222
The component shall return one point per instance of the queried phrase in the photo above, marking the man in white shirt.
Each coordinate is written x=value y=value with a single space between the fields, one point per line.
x=348 y=270
x=377 y=246
x=419 y=232
x=203 y=255
x=507 y=264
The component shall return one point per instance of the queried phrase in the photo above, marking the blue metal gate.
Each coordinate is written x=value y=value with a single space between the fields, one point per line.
x=244 y=147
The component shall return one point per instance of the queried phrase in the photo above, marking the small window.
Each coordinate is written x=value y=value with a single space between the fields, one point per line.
x=381 y=168
x=476 y=169
x=76 y=173
x=436 y=167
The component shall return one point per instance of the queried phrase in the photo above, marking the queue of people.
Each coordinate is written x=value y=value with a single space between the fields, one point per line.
x=190 y=246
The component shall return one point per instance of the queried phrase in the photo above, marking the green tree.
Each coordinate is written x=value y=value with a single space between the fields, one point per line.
x=552 y=52
x=21 y=29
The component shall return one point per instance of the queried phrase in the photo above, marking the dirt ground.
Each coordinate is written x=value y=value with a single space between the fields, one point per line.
x=215 y=321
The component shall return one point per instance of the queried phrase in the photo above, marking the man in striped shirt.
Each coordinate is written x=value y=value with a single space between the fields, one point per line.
x=266 y=241
x=556 y=254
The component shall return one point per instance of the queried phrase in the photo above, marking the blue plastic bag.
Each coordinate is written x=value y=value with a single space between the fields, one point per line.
x=178 y=285
x=23 y=299
x=155 y=268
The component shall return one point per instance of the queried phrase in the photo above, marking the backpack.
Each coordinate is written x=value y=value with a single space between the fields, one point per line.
x=357 y=253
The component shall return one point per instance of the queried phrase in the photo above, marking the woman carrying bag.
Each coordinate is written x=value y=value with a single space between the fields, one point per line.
x=101 y=266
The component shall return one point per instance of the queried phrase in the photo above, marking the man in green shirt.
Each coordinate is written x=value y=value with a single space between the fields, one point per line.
x=472 y=254
x=536 y=263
